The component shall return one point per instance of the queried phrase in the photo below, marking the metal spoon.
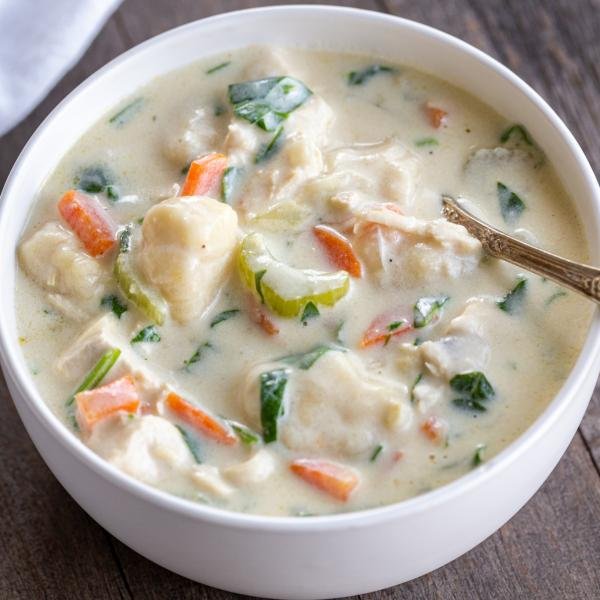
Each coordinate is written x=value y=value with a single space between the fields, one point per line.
x=580 y=278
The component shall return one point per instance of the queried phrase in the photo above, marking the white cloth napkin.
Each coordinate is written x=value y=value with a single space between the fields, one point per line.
x=40 y=40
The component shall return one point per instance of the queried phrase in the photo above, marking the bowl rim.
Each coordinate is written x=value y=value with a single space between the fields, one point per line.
x=587 y=359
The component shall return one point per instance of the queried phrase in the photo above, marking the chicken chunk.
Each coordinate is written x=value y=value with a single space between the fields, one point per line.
x=54 y=258
x=336 y=406
x=102 y=335
x=404 y=249
x=256 y=469
x=208 y=479
x=187 y=251
x=148 y=448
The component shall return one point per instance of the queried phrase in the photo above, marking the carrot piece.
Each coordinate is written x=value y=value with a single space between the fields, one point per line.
x=436 y=116
x=94 y=405
x=259 y=316
x=386 y=326
x=434 y=429
x=202 y=421
x=334 y=479
x=88 y=220
x=204 y=175
x=339 y=250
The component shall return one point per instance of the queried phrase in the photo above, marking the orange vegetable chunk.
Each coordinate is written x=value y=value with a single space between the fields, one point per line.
x=101 y=402
x=386 y=326
x=86 y=217
x=204 y=175
x=434 y=429
x=436 y=116
x=332 y=478
x=339 y=249
x=203 y=422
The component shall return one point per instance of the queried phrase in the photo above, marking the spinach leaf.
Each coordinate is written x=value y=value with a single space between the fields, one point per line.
x=513 y=301
x=478 y=456
x=414 y=385
x=197 y=356
x=555 y=296
x=272 y=388
x=229 y=182
x=224 y=316
x=310 y=312
x=125 y=238
x=425 y=309
x=360 y=77
x=127 y=113
x=147 y=334
x=511 y=206
x=266 y=151
x=376 y=453
x=191 y=442
x=516 y=131
x=474 y=389
x=245 y=434
x=305 y=360
x=428 y=141
x=218 y=67
x=115 y=304
x=96 y=180
x=267 y=102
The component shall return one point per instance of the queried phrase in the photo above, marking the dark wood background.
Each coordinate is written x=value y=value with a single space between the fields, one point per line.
x=49 y=548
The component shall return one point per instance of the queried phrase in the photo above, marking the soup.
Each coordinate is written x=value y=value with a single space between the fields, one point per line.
x=237 y=286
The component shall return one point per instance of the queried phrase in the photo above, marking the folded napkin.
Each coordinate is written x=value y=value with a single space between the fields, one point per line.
x=40 y=40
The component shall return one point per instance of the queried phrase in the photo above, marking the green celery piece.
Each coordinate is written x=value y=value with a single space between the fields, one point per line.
x=148 y=302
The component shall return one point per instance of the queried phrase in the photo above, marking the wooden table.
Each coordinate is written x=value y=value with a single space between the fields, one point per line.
x=49 y=548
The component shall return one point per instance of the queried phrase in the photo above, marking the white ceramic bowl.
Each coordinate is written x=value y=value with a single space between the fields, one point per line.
x=315 y=557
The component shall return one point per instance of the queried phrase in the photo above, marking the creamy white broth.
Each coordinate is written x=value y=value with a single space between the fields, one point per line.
x=528 y=353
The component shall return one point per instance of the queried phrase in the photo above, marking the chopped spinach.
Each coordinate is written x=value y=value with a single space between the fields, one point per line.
x=197 y=356
x=513 y=301
x=516 y=131
x=338 y=333
x=229 y=181
x=147 y=334
x=414 y=385
x=127 y=113
x=125 y=238
x=267 y=102
x=474 y=389
x=96 y=180
x=224 y=316
x=310 y=312
x=219 y=109
x=184 y=170
x=272 y=389
x=218 y=67
x=511 y=206
x=191 y=442
x=478 y=456
x=305 y=360
x=245 y=434
x=362 y=76
x=555 y=296
x=115 y=304
x=428 y=141
x=376 y=453
x=268 y=150
x=425 y=309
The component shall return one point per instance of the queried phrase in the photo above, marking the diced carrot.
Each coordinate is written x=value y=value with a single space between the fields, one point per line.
x=386 y=326
x=94 y=405
x=259 y=316
x=204 y=175
x=436 y=115
x=86 y=217
x=339 y=250
x=434 y=429
x=336 y=480
x=202 y=421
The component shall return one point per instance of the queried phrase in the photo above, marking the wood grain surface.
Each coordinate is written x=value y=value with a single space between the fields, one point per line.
x=49 y=548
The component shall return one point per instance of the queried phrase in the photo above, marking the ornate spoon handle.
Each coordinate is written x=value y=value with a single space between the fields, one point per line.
x=581 y=278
